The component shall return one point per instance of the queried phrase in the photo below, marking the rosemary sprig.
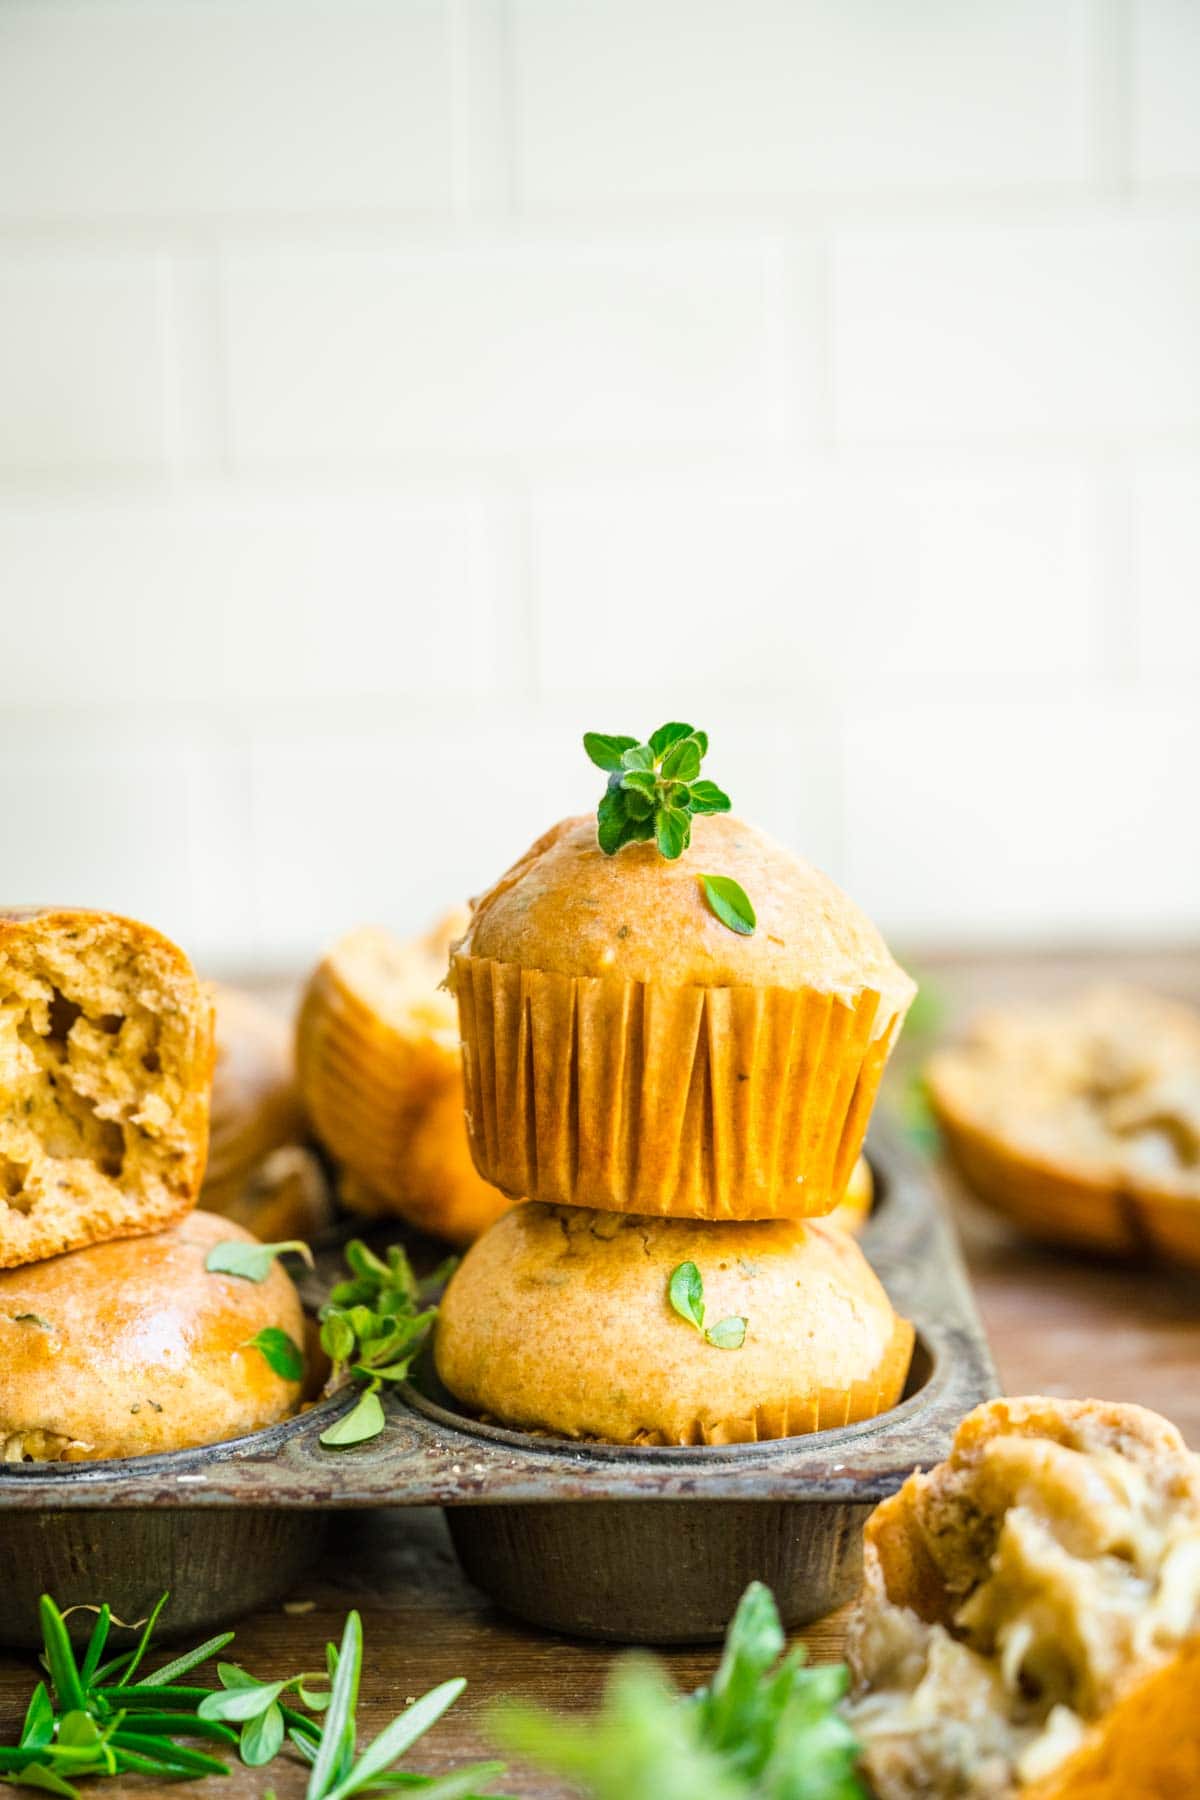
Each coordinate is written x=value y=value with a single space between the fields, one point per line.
x=90 y=1719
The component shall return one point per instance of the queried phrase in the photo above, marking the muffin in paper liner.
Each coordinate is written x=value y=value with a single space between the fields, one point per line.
x=1080 y=1122
x=854 y=1212
x=381 y=1079
x=558 y=1321
x=722 y=1103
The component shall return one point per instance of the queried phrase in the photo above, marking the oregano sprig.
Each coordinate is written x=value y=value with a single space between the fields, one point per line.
x=654 y=790
x=372 y=1327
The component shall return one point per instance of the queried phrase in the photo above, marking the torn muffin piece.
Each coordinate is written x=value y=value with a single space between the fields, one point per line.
x=1026 y=1603
x=105 y=1070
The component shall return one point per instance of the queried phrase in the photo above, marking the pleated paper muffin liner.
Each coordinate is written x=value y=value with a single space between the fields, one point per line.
x=389 y=1109
x=800 y=1415
x=688 y=1101
x=1058 y=1205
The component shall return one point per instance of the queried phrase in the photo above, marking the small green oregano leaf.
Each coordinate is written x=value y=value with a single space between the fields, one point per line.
x=685 y=1291
x=247 y=1700
x=362 y=1422
x=281 y=1351
x=32 y=1319
x=728 y=1334
x=672 y=831
x=253 y=1262
x=730 y=903
x=660 y=741
x=605 y=751
x=262 y=1738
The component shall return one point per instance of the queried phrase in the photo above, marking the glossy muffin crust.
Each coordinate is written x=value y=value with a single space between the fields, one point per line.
x=129 y=1348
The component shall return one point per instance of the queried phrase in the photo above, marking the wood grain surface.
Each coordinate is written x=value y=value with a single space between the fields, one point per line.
x=1057 y=1324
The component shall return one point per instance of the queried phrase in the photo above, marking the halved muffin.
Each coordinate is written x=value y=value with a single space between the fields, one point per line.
x=1081 y=1120
x=105 y=1067
x=380 y=1074
x=559 y=1320
x=1030 y=1621
x=130 y=1348
x=625 y=1050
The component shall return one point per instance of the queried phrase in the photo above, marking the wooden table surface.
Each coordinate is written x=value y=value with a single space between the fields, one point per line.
x=1057 y=1325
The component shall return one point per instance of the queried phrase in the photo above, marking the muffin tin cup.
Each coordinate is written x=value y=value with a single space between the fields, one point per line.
x=633 y=1543
x=647 y=1098
x=214 y=1565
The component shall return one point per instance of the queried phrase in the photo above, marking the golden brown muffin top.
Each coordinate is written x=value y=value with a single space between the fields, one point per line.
x=127 y=1348
x=558 y=1319
x=568 y=909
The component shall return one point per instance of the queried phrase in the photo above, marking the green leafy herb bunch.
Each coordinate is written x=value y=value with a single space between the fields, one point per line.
x=94 y=1717
x=372 y=1327
x=767 y=1728
x=654 y=790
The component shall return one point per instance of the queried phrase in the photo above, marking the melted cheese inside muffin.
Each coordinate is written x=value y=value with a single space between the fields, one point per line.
x=1069 y=1564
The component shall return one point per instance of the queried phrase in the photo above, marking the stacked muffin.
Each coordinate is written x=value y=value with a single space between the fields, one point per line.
x=682 y=1105
x=114 y=1336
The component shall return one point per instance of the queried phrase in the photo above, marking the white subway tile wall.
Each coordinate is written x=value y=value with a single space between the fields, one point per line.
x=391 y=389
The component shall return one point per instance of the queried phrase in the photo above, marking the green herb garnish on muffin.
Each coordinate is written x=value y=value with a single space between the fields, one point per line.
x=283 y=1354
x=252 y=1262
x=653 y=792
x=685 y=1291
x=730 y=903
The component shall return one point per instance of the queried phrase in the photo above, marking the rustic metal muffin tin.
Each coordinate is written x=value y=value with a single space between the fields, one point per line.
x=630 y=1543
